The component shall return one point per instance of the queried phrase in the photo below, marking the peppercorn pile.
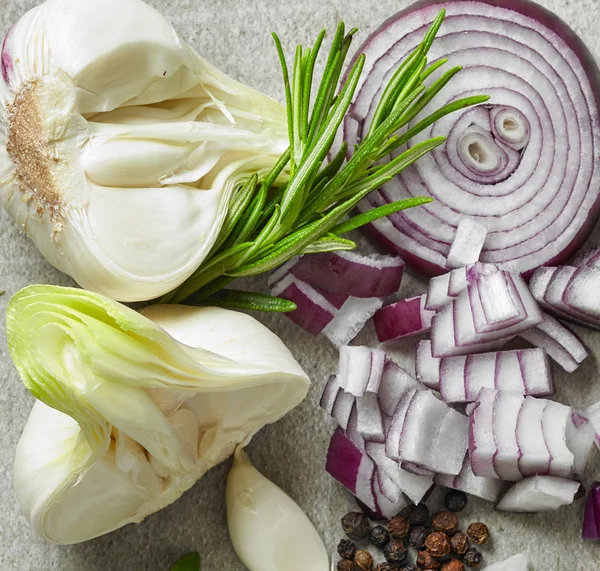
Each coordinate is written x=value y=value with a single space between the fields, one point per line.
x=437 y=540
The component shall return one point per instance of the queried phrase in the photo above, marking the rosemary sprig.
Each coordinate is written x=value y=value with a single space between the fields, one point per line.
x=267 y=225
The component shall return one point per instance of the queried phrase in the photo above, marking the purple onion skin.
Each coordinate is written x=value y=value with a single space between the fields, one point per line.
x=560 y=28
x=591 y=515
x=6 y=59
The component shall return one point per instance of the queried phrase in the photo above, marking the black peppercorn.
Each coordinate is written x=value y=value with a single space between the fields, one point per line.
x=438 y=544
x=473 y=558
x=356 y=525
x=455 y=501
x=345 y=565
x=387 y=567
x=379 y=536
x=405 y=512
x=363 y=560
x=395 y=552
x=426 y=561
x=479 y=533
x=417 y=537
x=445 y=521
x=459 y=543
x=453 y=565
x=419 y=515
x=398 y=527
x=346 y=549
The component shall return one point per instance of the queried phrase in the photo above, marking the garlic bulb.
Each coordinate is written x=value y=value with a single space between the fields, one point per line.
x=133 y=414
x=268 y=529
x=120 y=146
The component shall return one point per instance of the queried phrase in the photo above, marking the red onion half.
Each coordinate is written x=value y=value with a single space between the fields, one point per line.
x=526 y=165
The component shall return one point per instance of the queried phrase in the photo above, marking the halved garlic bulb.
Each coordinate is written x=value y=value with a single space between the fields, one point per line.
x=120 y=146
x=133 y=409
x=268 y=529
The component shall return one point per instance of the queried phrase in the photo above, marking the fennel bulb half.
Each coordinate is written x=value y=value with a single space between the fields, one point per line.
x=120 y=146
x=133 y=409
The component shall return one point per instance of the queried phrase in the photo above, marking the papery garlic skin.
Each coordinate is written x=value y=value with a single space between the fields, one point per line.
x=120 y=146
x=268 y=529
x=144 y=411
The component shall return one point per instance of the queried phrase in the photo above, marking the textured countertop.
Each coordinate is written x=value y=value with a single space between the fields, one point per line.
x=234 y=35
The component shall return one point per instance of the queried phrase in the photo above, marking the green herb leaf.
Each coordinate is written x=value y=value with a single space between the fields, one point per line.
x=300 y=206
x=189 y=562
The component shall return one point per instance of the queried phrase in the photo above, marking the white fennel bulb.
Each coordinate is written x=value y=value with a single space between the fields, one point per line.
x=120 y=146
x=133 y=409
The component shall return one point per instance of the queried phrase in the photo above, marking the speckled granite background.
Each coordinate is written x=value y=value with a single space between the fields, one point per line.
x=234 y=35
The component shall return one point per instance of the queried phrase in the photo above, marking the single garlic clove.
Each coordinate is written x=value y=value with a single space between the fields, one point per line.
x=268 y=529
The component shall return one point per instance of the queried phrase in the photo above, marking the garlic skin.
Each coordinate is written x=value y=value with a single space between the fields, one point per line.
x=120 y=146
x=268 y=529
x=122 y=448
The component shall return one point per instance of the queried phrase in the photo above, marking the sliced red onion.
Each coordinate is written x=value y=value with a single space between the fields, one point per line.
x=591 y=259
x=525 y=371
x=485 y=488
x=453 y=330
x=360 y=369
x=351 y=468
x=530 y=172
x=369 y=420
x=330 y=394
x=458 y=280
x=554 y=426
x=539 y=494
x=470 y=235
x=514 y=563
x=414 y=486
x=350 y=319
x=591 y=517
x=568 y=292
x=416 y=469
x=387 y=508
x=507 y=407
x=389 y=490
x=561 y=344
x=350 y=273
x=395 y=382
x=535 y=456
x=314 y=311
x=434 y=436
x=580 y=437
x=438 y=292
x=342 y=408
x=427 y=366
x=403 y=318
x=352 y=431
x=392 y=440
x=482 y=446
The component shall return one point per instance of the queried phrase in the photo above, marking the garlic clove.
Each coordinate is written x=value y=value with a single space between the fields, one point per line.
x=268 y=529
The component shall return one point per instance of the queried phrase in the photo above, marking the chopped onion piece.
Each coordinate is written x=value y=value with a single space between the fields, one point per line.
x=482 y=446
x=515 y=563
x=507 y=407
x=403 y=318
x=369 y=420
x=314 y=311
x=580 y=437
x=467 y=244
x=427 y=366
x=387 y=508
x=350 y=319
x=486 y=488
x=342 y=408
x=394 y=383
x=539 y=494
x=451 y=443
x=554 y=426
x=591 y=259
x=561 y=344
x=351 y=468
x=360 y=369
x=350 y=273
x=535 y=456
x=593 y=415
x=438 y=292
x=591 y=517
x=392 y=440
x=330 y=394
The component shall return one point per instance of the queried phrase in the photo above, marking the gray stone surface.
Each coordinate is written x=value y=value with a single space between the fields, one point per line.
x=234 y=34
